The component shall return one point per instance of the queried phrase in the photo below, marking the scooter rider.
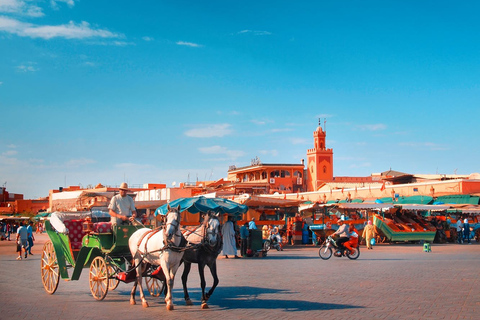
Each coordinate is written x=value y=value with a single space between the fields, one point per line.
x=342 y=235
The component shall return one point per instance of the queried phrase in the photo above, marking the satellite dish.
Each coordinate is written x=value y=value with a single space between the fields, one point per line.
x=174 y=183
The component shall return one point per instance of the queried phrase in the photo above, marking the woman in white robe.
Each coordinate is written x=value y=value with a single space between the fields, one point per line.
x=229 y=243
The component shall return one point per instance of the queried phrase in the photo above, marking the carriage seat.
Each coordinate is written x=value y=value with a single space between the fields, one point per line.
x=75 y=233
x=102 y=227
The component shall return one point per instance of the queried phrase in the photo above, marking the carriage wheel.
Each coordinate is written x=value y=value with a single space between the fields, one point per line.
x=112 y=280
x=98 y=278
x=154 y=286
x=49 y=268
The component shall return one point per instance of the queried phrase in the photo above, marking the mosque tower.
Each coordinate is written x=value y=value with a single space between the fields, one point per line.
x=319 y=161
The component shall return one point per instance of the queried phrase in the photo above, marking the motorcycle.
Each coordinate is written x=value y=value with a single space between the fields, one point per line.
x=330 y=247
x=272 y=243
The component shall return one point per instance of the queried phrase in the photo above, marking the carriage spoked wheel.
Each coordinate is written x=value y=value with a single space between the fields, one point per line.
x=112 y=281
x=49 y=268
x=154 y=286
x=98 y=277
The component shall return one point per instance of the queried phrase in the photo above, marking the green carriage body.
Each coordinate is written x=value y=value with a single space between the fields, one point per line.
x=111 y=245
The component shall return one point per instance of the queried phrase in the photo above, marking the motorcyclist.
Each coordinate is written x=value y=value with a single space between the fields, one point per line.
x=342 y=235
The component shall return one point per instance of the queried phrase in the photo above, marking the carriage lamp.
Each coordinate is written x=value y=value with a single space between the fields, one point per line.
x=88 y=225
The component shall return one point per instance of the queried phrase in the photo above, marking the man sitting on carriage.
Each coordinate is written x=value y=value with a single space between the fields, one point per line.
x=122 y=208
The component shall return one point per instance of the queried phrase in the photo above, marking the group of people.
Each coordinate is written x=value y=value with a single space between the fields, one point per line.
x=346 y=236
x=6 y=229
x=25 y=240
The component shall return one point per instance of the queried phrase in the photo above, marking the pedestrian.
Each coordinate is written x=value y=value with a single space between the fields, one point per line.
x=290 y=232
x=466 y=230
x=229 y=243
x=122 y=208
x=30 y=238
x=22 y=241
x=459 y=230
x=243 y=239
x=368 y=234
x=9 y=231
x=251 y=224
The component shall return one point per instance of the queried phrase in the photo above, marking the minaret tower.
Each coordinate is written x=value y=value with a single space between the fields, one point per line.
x=319 y=161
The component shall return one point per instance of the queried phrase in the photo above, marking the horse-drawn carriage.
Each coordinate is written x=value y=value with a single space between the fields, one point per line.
x=129 y=253
x=81 y=240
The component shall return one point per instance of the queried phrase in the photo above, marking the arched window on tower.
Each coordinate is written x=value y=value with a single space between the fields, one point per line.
x=324 y=169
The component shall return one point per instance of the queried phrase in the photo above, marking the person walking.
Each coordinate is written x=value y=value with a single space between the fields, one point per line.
x=30 y=238
x=22 y=241
x=459 y=230
x=243 y=239
x=229 y=243
x=368 y=234
x=251 y=224
x=466 y=230
x=9 y=231
x=122 y=208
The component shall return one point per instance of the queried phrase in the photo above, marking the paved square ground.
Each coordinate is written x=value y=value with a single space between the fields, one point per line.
x=389 y=282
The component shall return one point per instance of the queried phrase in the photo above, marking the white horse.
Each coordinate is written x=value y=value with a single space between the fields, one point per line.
x=158 y=247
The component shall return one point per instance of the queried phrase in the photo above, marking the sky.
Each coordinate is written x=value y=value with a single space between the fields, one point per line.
x=177 y=91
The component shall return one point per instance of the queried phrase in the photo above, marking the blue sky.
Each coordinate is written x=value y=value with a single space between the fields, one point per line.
x=174 y=91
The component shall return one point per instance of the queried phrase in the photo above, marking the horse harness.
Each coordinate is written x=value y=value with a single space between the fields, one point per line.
x=167 y=241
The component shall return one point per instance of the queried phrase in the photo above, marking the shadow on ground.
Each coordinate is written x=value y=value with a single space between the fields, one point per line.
x=259 y=298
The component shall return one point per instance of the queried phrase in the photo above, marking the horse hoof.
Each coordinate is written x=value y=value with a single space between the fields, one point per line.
x=205 y=306
x=145 y=304
x=170 y=307
x=132 y=302
x=189 y=302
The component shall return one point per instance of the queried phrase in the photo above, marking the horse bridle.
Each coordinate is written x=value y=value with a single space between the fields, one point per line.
x=207 y=231
x=176 y=225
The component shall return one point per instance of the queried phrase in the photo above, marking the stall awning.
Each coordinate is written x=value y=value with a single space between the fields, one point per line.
x=459 y=199
x=256 y=201
x=364 y=206
x=415 y=200
x=419 y=207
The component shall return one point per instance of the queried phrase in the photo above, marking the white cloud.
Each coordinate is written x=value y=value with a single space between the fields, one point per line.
x=71 y=30
x=1 y=83
x=20 y=7
x=26 y=68
x=79 y=162
x=360 y=165
x=300 y=141
x=148 y=38
x=215 y=130
x=54 y=3
x=255 y=32
x=232 y=154
x=281 y=130
x=372 y=127
x=10 y=153
x=188 y=44
x=422 y=145
x=269 y=152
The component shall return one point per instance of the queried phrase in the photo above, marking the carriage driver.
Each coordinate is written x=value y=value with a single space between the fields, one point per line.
x=121 y=208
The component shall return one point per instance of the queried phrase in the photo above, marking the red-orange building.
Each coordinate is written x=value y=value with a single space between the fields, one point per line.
x=263 y=178
x=319 y=162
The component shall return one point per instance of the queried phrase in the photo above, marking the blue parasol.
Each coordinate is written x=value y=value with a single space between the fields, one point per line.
x=202 y=204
